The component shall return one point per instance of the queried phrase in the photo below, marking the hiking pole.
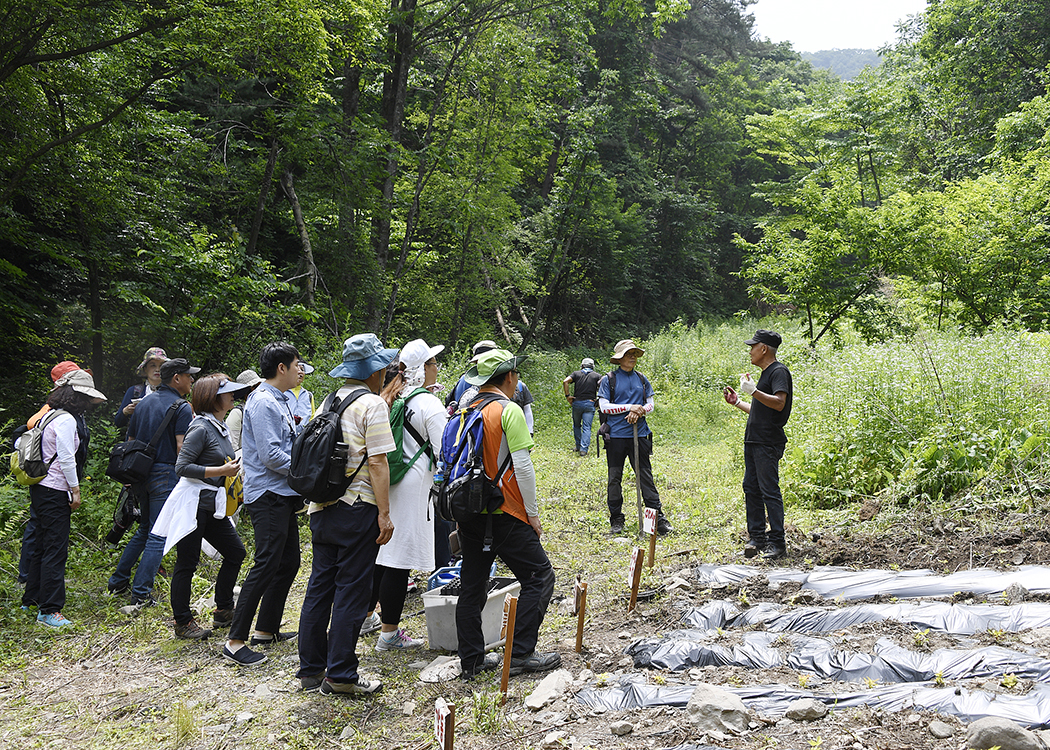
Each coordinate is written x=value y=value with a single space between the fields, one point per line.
x=638 y=481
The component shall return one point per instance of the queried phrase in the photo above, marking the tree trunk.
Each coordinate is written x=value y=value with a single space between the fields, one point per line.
x=288 y=185
x=264 y=193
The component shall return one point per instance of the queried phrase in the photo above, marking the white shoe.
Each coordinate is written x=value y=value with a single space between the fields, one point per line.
x=371 y=624
x=397 y=641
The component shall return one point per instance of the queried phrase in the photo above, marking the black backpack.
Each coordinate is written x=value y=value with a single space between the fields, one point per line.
x=319 y=455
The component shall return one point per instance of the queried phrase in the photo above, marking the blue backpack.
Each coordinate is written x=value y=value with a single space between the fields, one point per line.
x=466 y=491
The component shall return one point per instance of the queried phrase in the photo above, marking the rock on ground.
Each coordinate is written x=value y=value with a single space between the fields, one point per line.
x=940 y=730
x=712 y=709
x=620 y=728
x=806 y=709
x=992 y=731
x=551 y=688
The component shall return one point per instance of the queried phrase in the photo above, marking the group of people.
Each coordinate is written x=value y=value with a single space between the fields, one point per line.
x=367 y=541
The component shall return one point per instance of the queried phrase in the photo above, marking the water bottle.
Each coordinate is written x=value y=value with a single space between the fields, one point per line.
x=439 y=474
x=337 y=472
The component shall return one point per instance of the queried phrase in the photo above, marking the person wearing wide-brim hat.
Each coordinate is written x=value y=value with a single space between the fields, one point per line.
x=764 y=443
x=235 y=418
x=625 y=396
x=514 y=530
x=55 y=497
x=348 y=532
x=149 y=368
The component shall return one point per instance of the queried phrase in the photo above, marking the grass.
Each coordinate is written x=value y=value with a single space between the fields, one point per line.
x=865 y=420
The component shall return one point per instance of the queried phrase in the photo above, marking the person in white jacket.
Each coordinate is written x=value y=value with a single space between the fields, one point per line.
x=56 y=496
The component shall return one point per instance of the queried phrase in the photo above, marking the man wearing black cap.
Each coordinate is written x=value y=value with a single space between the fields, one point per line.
x=764 y=442
x=176 y=380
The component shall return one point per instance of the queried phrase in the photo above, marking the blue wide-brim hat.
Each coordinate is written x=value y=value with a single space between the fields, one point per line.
x=363 y=354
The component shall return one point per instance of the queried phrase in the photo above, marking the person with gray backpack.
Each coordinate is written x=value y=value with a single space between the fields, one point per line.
x=56 y=496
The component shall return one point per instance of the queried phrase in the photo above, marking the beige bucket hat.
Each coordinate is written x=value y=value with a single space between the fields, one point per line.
x=623 y=347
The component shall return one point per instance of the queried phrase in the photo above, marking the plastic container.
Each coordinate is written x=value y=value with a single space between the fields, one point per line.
x=443 y=576
x=440 y=608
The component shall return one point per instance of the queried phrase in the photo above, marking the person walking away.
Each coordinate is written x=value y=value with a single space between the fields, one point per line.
x=516 y=527
x=29 y=533
x=56 y=496
x=582 y=400
x=150 y=369
x=625 y=396
x=196 y=508
x=176 y=380
x=412 y=545
x=302 y=400
x=764 y=443
x=348 y=532
x=266 y=456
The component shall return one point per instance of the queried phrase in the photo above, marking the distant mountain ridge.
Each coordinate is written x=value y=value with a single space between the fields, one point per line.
x=845 y=63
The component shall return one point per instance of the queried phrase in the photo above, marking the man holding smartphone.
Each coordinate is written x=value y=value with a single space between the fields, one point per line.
x=764 y=442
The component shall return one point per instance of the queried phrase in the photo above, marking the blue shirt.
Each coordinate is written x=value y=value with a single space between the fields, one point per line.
x=302 y=406
x=631 y=388
x=267 y=433
x=148 y=415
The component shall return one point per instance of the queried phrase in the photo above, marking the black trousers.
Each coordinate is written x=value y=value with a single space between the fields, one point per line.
x=276 y=563
x=616 y=450
x=762 y=498
x=46 y=571
x=220 y=534
x=516 y=544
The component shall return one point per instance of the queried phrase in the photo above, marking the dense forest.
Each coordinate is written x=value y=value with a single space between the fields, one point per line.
x=845 y=63
x=209 y=174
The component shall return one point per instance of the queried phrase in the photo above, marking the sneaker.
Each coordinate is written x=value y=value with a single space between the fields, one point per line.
x=244 y=656
x=119 y=590
x=222 y=618
x=397 y=641
x=53 y=620
x=191 y=631
x=137 y=605
x=616 y=526
x=663 y=526
x=490 y=664
x=358 y=689
x=371 y=624
x=275 y=638
x=310 y=684
x=534 y=663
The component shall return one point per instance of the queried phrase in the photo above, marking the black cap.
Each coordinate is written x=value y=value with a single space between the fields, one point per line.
x=762 y=336
x=173 y=367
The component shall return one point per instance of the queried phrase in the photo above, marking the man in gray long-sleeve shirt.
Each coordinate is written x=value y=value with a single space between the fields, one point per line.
x=266 y=447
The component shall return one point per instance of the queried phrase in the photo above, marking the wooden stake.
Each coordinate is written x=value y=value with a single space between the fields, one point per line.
x=510 y=611
x=634 y=575
x=650 y=529
x=444 y=724
x=581 y=611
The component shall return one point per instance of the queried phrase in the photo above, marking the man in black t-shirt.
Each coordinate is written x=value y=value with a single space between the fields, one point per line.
x=764 y=442
x=583 y=398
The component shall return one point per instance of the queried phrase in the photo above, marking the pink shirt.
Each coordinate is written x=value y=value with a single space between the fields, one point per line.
x=60 y=436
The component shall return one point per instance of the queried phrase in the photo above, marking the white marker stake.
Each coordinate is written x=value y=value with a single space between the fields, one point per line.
x=649 y=525
x=444 y=724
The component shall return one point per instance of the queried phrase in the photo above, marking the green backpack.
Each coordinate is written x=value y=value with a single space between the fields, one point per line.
x=399 y=414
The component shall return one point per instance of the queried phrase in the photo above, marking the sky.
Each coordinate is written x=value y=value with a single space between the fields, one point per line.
x=814 y=25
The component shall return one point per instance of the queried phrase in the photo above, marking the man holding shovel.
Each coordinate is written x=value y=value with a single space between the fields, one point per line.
x=625 y=397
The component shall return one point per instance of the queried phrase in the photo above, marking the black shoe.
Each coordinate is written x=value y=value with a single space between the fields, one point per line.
x=663 y=526
x=616 y=526
x=773 y=552
x=310 y=684
x=490 y=663
x=120 y=590
x=752 y=548
x=244 y=656
x=534 y=663
x=275 y=638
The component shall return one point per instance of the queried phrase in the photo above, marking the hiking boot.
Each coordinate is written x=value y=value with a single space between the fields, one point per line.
x=53 y=620
x=371 y=624
x=534 y=663
x=267 y=641
x=397 y=641
x=490 y=663
x=222 y=618
x=359 y=689
x=773 y=552
x=616 y=526
x=311 y=684
x=663 y=526
x=244 y=656
x=137 y=605
x=191 y=631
